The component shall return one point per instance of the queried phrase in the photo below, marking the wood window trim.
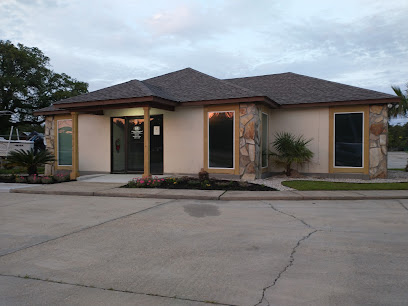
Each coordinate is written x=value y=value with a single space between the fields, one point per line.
x=365 y=109
x=264 y=169
x=222 y=108
x=266 y=110
x=56 y=119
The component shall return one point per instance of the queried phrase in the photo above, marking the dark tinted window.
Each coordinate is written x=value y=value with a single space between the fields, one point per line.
x=349 y=140
x=221 y=139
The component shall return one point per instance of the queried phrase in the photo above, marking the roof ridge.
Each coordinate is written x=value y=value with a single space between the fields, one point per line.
x=228 y=83
x=159 y=76
x=163 y=90
x=257 y=76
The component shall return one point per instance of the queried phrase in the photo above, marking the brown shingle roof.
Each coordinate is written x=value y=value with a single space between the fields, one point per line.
x=191 y=85
x=130 y=89
x=292 y=88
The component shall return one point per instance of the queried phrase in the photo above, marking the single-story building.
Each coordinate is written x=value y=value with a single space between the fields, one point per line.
x=183 y=121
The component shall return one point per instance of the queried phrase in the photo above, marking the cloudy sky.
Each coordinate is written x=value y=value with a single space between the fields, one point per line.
x=358 y=42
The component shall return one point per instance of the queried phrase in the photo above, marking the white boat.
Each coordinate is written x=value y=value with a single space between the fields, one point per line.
x=8 y=145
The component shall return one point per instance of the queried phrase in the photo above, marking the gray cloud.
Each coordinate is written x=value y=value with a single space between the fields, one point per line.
x=118 y=40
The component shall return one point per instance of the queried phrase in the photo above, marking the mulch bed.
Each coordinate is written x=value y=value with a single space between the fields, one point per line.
x=194 y=183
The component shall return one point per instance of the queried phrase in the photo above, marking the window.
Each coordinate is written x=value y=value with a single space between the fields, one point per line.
x=348 y=139
x=64 y=128
x=264 y=140
x=221 y=139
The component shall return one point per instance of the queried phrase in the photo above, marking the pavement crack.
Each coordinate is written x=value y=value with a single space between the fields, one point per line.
x=291 y=261
x=115 y=290
x=87 y=228
x=219 y=197
x=293 y=216
x=402 y=204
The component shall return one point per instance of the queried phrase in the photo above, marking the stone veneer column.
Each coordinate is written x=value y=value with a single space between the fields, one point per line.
x=378 y=141
x=249 y=141
x=49 y=140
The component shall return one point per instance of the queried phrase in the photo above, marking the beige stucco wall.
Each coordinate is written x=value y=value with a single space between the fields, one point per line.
x=94 y=143
x=312 y=123
x=182 y=140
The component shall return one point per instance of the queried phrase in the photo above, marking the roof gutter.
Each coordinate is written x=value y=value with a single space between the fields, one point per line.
x=342 y=103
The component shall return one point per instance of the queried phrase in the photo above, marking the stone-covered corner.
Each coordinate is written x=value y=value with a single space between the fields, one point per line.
x=378 y=141
x=50 y=143
x=249 y=141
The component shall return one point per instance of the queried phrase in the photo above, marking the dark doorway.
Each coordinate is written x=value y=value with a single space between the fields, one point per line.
x=127 y=144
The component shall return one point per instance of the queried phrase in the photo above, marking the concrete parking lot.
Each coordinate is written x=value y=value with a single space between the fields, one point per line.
x=65 y=250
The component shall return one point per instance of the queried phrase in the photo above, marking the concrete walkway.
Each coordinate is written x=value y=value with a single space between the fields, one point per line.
x=84 y=188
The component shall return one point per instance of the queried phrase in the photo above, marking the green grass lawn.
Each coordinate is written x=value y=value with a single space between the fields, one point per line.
x=318 y=185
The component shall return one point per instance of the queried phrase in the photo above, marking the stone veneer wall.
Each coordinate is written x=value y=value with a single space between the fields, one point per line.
x=378 y=141
x=49 y=140
x=249 y=141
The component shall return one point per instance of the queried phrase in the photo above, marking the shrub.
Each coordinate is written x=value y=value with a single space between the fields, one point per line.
x=21 y=179
x=203 y=175
x=205 y=184
x=194 y=183
x=34 y=179
x=146 y=182
x=171 y=180
x=291 y=149
x=60 y=177
x=27 y=159
x=47 y=180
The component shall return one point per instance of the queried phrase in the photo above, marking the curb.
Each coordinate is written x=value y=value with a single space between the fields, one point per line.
x=222 y=195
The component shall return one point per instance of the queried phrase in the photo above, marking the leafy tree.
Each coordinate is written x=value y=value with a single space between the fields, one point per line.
x=290 y=149
x=27 y=83
x=402 y=107
x=398 y=137
x=29 y=160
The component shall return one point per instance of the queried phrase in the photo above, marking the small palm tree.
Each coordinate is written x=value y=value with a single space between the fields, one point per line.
x=29 y=160
x=290 y=149
x=402 y=107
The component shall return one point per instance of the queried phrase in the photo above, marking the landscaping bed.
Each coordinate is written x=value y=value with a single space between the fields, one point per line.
x=34 y=179
x=304 y=185
x=195 y=183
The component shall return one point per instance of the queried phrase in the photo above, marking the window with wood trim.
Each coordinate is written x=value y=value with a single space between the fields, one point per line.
x=221 y=139
x=349 y=139
x=64 y=135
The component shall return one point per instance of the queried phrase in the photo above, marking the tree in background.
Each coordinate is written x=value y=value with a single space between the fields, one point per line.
x=402 y=107
x=27 y=83
x=398 y=137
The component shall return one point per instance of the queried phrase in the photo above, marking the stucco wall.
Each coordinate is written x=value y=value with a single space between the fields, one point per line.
x=312 y=123
x=94 y=143
x=182 y=140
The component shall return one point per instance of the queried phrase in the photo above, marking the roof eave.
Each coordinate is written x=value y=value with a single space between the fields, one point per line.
x=109 y=103
x=260 y=99
x=341 y=103
x=51 y=112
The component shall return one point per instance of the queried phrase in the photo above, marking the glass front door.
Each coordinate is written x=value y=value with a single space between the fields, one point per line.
x=118 y=145
x=127 y=144
x=135 y=148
